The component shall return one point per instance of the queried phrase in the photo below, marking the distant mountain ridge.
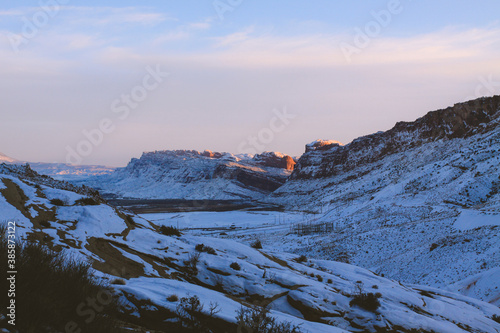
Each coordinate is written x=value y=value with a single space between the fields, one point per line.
x=61 y=171
x=190 y=174
x=6 y=159
x=69 y=172
x=26 y=173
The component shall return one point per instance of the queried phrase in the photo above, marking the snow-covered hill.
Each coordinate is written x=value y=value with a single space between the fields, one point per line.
x=316 y=294
x=62 y=171
x=419 y=203
x=69 y=172
x=189 y=174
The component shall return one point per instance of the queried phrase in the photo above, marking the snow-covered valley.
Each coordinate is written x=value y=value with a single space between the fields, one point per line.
x=410 y=217
x=316 y=294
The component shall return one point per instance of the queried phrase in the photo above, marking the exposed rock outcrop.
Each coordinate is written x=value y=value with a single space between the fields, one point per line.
x=322 y=145
x=275 y=160
x=189 y=174
x=326 y=158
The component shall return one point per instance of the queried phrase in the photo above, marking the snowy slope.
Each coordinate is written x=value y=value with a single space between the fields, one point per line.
x=62 y=171
x=68 y=172
x=184 y=174
x=483 y=285
x=313 y=293
x=419 y=203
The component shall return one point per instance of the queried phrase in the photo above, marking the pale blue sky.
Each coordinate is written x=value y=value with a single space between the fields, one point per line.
x=64 y=70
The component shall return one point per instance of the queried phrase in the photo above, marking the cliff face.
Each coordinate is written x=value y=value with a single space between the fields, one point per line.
x=411 y=201
x=275 y=160
x=447 y=156
x=189 y=174
x=325 y=159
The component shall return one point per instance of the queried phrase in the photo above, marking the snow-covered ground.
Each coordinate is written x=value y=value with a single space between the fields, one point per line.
x=236 y=220
x=430 y=251
x=316 y=294
x=410 y=252
x=427 y=215
x=452 y=263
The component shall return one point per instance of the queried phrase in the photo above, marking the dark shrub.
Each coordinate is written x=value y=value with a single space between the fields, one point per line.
x=433 y=247
x=169 y=231
x=257 y=244
x=319 y=277
x=45 y=223
x=257 y=319
x=426 y=293
x=172 y=298
x=192 y=316
x=119 y=281
x=302 y=258
x=342 y=257
x=50 y=287
x=367 y=301
x=329 y=281
x=57 y=202
x=235 y=266
x=86 y=202
x=496 y=318
x=210 y=250
x=192 y=263
x=205 y=248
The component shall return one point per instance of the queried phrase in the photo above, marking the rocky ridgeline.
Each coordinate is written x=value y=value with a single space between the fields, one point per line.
x=266 y=159
x=194 y=174
x=247 y=170
x=329 y=158
x=26 y=173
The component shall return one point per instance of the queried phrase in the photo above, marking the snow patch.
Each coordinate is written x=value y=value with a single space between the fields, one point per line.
x=471 y=219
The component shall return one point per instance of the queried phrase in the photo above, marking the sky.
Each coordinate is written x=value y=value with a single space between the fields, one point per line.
x=100 y=82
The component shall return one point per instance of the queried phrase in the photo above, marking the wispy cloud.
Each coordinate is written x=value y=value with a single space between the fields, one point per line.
x=203 y=25
x=172 y=36
x=183 y=32
x=96 y=15
x=251 y=47
x=14 y=12
x=234 y=38
x=112 y=15
x=247 y=48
